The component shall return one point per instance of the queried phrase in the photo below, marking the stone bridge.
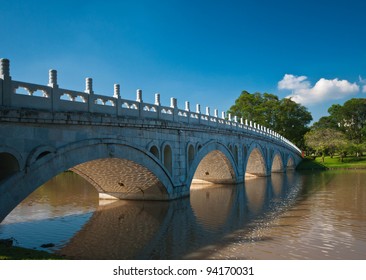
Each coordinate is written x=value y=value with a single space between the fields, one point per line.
x=127 y=149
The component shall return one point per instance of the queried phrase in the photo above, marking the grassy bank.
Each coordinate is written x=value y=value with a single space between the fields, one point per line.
x=333 y=163
x=17 y=253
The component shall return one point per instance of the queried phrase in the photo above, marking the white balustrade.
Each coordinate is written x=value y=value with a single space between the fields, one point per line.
x=53 y=98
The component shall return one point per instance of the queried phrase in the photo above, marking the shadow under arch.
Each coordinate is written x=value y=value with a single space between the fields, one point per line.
x=75 y=155
x=290 y=163
x=277 y=164
x=256 y=164
x=213 y=163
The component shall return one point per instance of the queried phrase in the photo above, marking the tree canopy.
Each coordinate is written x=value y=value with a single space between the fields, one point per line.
x=284 y=116
x=326 y=140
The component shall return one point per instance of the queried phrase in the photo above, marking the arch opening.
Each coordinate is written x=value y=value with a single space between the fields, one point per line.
x=155 y=151
x=277 y=166
x=8 y=165
x=214 y=168
x=168 y=158
x=290 y=164
x=256 y=165
x=116 y=178
x=190 y=155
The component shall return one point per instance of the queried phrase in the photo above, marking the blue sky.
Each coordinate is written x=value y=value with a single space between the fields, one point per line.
x=205 y=52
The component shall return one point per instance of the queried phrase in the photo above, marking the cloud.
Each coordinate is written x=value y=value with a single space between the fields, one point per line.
x=293 y=83
x=324 y=89
x=362 y=81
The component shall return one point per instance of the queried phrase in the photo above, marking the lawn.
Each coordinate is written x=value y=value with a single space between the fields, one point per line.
x=335 y=162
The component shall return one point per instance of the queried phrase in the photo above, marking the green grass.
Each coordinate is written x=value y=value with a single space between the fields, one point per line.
x=333 y=163
x=18 y=253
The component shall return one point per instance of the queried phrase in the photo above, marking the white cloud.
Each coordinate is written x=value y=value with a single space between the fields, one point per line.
x=364 y=89
x=292 y=82
x=324 y=89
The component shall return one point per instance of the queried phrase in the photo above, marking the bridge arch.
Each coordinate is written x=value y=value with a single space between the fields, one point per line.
x=167 y=157
x=290 y=163
x=38 y=153
x=256 y=163
x=9 y=165
x=95 y=153
x=277 y=163
x=153 y=147
x=213 y=163
x=190 y=154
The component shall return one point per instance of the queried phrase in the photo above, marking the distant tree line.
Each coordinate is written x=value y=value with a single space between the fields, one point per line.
x=342 y=132
x=284 y=116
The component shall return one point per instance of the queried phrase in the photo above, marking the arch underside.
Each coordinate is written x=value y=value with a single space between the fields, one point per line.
x=120 y=178
x=214 y=168
x=256 y=165
x=290 y=164
x=277 y=166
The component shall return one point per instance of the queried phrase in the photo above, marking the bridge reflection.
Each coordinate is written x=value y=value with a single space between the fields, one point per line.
x=175 y=229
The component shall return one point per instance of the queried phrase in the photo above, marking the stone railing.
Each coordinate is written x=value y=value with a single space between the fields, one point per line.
x=53 y=98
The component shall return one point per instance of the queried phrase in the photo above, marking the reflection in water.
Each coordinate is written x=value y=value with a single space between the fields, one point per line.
x=255 y=190
x=205 y=201
x=292 y=216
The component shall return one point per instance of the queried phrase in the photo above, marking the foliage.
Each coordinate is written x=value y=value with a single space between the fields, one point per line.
x=350 y=119
x=284 y=116
x=327 y=139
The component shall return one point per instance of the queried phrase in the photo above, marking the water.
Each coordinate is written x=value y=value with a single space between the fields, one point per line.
x=287 y=216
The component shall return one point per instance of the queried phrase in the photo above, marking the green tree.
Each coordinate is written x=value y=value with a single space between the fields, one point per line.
x=327 y=139
x=284 y=116
x=350 y=119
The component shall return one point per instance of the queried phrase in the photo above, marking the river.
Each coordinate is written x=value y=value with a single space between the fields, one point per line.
x=307 y=215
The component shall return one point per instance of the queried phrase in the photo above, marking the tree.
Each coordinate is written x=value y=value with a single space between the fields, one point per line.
x=284 y=116
x=350 y=119
x=323 y=139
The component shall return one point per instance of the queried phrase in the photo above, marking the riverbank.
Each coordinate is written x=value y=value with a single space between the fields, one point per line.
x=332 y=163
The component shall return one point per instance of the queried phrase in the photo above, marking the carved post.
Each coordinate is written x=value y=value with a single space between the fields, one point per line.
x=55 y=96
x=117 y=101
x=216 y=113
x=139 y=95
x=207 y=111
x=117 y=91
x=198 y=108
x=235 y=119
x=5 y=82
x=229 y=116
x=89 y=86
x=157 y=99
x=89 y=91
x=223 y=115
x=173 y=102
x=139 y=100
x=52 y=78
x=187 y=106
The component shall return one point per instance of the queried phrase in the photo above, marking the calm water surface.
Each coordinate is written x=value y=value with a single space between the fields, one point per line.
x=287 y=216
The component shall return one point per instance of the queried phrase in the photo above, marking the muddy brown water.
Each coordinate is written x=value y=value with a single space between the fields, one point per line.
x=308 y=215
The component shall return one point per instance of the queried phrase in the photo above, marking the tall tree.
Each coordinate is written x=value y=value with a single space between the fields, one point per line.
x=350 y=118
x=284 y=116
x=326 y=139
